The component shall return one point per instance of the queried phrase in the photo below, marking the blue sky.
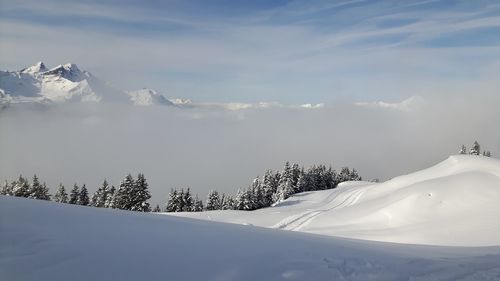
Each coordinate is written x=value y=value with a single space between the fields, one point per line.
x=251 y=51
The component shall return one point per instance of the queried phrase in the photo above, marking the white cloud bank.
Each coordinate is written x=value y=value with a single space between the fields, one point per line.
x=410 y=104
x=211 y=147
x=235 y=106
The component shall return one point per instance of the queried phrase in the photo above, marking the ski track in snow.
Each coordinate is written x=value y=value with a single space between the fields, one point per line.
x=296 y=222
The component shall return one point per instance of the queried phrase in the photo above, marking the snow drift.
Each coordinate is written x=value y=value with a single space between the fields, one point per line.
x=42 y=240
x=454 y=203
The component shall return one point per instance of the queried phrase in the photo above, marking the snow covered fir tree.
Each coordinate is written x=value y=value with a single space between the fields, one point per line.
x=74 y=194
x=475 y=150
x=22 y=188
x=83 y=196
x=100 y=197
x=182 y=201
x=61 y=196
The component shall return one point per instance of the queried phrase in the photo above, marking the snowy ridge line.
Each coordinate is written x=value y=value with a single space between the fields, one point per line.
x=453 y=203
x=68 y=84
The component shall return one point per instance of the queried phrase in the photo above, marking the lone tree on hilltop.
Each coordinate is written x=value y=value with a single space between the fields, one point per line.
x=475 y=149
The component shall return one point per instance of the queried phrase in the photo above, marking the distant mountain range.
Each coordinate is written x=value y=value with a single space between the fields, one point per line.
x=67 y=83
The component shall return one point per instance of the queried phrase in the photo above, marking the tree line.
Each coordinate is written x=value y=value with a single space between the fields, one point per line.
x=132 y=193
x=475 y=150
x=273 y=187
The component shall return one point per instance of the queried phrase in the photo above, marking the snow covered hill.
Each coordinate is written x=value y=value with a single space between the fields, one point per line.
x=454 y=203
x=42 y=240
x=145 y=97
x=67 y=83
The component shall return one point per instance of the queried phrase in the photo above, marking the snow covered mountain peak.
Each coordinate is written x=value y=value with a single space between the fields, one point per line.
x=67 y=83
x=36 y=68
x=69 y=71
x=146 y=97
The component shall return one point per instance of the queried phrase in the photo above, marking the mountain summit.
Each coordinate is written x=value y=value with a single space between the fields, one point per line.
x=36 y=68
x=69 y=71
x=147 y=97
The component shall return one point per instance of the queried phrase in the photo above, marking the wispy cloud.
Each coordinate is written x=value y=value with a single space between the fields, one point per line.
x=236 y=106
x=408 y=105
x=295 y=52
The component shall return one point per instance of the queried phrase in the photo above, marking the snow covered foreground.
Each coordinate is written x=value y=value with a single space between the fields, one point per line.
x=454 y=203
x=43 y=240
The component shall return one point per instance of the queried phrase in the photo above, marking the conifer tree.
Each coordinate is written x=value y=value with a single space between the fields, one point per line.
x=180 y=200
x=354 y=176
x=187 y=201
x=269 y=187
x=38 y=190
x=99 y=197
x=244 y=200
x=139 y=194
x=42 y=193
x=7 y=189
x=238 y=199
x=344 y=175
x=330 y=178
x=317 y=182
x=463 y=150
x=123 y=196
x=35 y=188
x=475 y=149
x=61 y=196
x=198 y=205
x=21 y=187
x=228 y=203
x=256 y=194
x=83 y=196
x=285 y=186
x=172 y=201
x=222 y=200
x=110 y=198
x=303 y=184
x=213 y=201
x=74 y=194
x=321 y=178
x=295 y=170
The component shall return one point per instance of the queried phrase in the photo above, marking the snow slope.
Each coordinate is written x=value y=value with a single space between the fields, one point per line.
x=66 y=83
x=42 y=240
x=454 y=203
